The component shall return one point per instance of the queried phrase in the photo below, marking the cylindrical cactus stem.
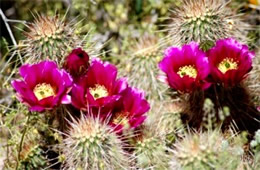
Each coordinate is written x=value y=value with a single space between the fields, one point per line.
x=205 y=21
x=150 y=151
x=92 y=144
x=141 y=66
x=53 y=38
x=208 y=150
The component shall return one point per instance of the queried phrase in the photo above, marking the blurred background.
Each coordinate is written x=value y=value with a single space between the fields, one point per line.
x=119 y=21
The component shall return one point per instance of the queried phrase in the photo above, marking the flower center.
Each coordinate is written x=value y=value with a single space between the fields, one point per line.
x=121 y=118
x=98 y=91
x=43 y=90
x=188 y=70
x=227 y=64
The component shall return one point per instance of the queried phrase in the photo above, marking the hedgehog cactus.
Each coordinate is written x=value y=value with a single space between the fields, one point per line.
x=205 y=21
x=255 y=144
x=150 y=151
x=32 y=157
x=49 y=38
x=91 y=144
x=73 y=112
x=254 y=79
x=141 y=66
x=30 y=153
x=170 y=124
x=204 y=151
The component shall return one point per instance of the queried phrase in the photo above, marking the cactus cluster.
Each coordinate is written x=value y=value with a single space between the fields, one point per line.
x=188 y=99
x=207 y=150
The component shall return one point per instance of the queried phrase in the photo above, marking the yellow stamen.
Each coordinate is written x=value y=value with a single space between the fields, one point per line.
x=227 y=64
x=230 y=23
x=121 y=118
x=98 y=91
x=187 y=70
x=43 y=90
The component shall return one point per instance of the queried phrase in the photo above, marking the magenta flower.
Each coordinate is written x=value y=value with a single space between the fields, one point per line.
x=186 y=68
x=77 y=63
x=99 y=88
x=44 y=86
x=230 y=61
x=131 y=112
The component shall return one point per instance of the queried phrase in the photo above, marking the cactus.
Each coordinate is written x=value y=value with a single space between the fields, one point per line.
x=255 y=143
x=211 y=116
x=205 y=21
x=209 y=150
x=49 y=38
x=62 y=138
x=6 y=71
x=254 y=80
x=141 y=66
x=53 y=38
x=32 y=156
x=150 y=151
x=91 y=144
x=170 y=124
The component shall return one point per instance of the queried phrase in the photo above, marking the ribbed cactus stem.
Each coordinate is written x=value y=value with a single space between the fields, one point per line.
x=91 y=144
x=49 y=38
x=205 y=21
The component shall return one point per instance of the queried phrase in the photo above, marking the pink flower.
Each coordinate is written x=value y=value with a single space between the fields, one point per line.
x=44 y=86
x=186 y=68
x=99 y=88
x=230 y=61
x=131 y=112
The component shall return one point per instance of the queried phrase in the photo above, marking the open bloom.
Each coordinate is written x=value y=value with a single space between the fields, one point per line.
x=44 y=86
x=99 y=88
x=77 y=63
x=230 y=61
x=186 y=68
x=131 y=112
